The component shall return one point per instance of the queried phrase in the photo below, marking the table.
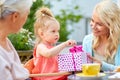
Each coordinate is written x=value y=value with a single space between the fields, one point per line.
x=74 y=77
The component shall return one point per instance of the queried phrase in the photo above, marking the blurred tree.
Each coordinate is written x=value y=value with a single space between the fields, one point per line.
x=30 y=21
x=65 y=16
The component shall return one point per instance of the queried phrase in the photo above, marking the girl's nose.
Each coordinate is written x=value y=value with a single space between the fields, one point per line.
x=57 y=34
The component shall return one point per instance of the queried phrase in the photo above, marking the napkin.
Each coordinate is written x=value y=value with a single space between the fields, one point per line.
x=115 y=76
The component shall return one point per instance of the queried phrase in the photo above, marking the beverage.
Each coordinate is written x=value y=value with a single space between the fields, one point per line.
x=91 y=69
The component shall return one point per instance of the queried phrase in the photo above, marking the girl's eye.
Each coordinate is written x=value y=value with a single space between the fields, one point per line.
x=53 y=31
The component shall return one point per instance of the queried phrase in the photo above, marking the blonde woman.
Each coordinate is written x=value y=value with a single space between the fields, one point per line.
x=13 y=15
x=104 y=42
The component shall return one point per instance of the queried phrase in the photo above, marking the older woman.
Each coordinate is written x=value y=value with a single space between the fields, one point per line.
x=13 y=15
x=104 y=42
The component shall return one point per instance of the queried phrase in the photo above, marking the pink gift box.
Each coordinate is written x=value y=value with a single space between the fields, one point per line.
x=72 y=61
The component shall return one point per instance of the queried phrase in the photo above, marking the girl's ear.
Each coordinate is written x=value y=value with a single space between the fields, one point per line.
x=40 y=32
x=15 y=16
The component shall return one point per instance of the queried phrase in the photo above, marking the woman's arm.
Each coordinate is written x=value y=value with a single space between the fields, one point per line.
x=87 y=43
x=104 y=65
x=108 y=67
x=4 y=70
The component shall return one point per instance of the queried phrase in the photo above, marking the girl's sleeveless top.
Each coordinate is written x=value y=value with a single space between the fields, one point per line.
x=46 y=65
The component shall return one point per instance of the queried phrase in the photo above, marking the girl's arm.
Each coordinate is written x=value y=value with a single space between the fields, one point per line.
x=44 y=51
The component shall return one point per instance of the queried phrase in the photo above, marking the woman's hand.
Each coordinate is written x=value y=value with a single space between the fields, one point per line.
x=117 y=69
x=93 y=59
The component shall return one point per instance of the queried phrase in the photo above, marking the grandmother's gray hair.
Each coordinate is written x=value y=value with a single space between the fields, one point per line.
x=9 y=6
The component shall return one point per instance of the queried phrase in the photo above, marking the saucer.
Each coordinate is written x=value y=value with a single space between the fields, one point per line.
x=99 y=75
x=115 y=76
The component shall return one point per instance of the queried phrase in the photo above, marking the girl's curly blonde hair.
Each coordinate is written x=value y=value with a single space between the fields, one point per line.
x=43 y=16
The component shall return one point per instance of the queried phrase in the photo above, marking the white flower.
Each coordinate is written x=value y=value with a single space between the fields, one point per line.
x=34 y=0
x=2 y=2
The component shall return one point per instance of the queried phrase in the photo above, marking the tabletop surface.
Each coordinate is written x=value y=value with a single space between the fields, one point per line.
x=75 y=77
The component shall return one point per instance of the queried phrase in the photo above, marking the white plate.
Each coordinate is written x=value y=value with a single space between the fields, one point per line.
x=115 y=76
x=99 y=75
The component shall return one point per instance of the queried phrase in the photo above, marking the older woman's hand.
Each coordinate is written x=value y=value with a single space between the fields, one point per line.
x=93 y=59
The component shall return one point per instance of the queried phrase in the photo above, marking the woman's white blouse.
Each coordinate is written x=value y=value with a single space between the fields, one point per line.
x=10 y=65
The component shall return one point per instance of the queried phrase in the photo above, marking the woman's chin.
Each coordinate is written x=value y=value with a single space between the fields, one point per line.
x=95 y=34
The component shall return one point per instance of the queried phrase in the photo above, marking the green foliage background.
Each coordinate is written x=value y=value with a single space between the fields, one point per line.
x=64 y=16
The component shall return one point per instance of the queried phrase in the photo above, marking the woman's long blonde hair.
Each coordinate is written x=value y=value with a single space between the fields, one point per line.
x=109 y=14
x=42 y=16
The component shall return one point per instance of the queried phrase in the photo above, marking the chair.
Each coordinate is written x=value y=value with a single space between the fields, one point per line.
x=29 y=65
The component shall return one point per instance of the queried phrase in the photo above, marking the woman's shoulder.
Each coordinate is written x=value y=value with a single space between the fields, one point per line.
x=119 y=48
x=88 y=37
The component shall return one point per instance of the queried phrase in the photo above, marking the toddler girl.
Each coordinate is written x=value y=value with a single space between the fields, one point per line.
x=46 y=30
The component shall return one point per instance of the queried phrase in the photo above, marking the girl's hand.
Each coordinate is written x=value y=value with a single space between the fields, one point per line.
x=70 y=43
x=94 y=59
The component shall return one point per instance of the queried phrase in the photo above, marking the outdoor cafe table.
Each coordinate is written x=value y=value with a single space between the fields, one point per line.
x=74 y=77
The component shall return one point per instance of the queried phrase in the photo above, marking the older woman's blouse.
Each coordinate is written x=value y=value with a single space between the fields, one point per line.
x=10 y=65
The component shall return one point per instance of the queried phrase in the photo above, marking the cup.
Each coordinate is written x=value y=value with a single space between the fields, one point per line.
x=91 y=69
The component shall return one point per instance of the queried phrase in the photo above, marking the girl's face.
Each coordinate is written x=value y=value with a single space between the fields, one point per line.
x=51 y=35
x=98 y=28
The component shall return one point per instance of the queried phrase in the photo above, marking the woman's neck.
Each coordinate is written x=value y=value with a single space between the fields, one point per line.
x=104 y=39
x=4 y=41
x=3 y=37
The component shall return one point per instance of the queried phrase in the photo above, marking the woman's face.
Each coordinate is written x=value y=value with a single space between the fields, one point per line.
x=98 y=28
x=19 y=21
